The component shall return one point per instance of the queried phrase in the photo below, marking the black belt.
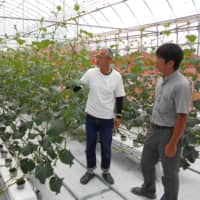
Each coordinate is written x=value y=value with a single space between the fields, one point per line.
x=158 y=126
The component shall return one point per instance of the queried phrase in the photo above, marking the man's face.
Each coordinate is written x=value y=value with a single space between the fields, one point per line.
x=164 y=67
x=102 y=59
x=159 y=63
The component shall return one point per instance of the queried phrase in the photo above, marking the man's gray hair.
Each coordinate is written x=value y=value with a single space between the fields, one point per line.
x=110 y=53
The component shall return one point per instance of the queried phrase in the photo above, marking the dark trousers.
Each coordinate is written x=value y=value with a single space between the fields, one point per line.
x=153 y=152
x=104 y=128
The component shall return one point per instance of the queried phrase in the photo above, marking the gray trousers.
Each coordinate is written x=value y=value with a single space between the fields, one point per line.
x=153 y=152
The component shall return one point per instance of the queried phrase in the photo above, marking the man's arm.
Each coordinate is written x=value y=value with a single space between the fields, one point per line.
x=171 y=147
x=77 y=88
x=119 y=106
x=84 y=80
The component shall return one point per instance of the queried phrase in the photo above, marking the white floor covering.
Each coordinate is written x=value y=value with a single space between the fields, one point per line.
x=125 y=172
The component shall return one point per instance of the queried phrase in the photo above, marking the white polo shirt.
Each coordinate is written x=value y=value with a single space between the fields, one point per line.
x=103 y=90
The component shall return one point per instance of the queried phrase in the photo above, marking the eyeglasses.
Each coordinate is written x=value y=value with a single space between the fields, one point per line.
x=102 y=57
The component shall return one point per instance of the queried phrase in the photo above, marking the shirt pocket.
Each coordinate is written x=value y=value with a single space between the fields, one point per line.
x=165 y=104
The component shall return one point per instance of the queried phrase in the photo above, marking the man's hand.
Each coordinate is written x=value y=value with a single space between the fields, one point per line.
x=171 y=147
x=170 y=150
x=117 y=122
x=62 y=87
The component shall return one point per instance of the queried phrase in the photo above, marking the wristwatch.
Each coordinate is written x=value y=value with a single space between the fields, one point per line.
x=118 y=115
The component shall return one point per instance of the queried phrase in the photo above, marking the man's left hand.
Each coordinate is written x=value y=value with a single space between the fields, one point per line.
x=117 y=122
x=170 y=150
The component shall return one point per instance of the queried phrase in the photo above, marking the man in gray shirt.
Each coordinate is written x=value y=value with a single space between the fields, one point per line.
x=163 y=141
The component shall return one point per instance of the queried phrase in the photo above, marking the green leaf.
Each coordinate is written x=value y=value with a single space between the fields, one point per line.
x=66 y=157
x=57 y=139
x=193 y=76
x=53 y=132
x=198 y=69
x=42 y=20
x=28 y=149
x=18 y=135
x=167 y=24
x=184 y=164
x=43 y=44
x=131 y=76
x=32 y=135
x=24 y=126
x=166 y=32
x=197 y=104
x=138 y=121
x=193 y=156
x=197 y=85
x=76 y=7
x=89 y=34
x=15 y=146
x=44 y=29
x=45 y=142
x=58 y=124
x=59 y=8
x=43 y=171
x=137 y=69
x=27 y=165
x=194 y=61
x=191 y=38
x=42 y=117
x=55 y=184
x=51 y=152
x=187 y=52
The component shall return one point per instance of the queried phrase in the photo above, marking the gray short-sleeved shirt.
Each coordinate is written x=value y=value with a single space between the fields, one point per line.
x=172 y=96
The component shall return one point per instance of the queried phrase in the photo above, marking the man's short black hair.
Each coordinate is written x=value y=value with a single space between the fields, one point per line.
x=171 y=51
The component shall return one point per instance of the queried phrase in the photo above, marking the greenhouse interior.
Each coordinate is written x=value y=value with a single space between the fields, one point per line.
x=47 y=48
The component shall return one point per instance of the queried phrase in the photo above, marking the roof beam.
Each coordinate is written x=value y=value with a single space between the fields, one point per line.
x=101 y=8
x=169 y=4
x=195 y=17
x=132 y=13
x=61 y=22
x=147 y=5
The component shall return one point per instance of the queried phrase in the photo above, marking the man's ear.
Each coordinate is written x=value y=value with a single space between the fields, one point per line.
x=171 y=63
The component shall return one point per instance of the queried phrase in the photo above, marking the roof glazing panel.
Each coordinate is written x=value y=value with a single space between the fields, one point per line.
x=97 y=14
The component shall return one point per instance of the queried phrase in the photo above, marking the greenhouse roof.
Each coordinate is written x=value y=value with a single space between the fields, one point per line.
x=104 y=22
x=96 y=16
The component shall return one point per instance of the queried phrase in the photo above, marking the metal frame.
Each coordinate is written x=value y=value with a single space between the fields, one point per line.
x=180 y=26
x=30 y=11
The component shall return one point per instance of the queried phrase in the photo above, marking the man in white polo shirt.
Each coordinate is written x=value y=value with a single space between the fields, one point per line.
x=106 y=91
